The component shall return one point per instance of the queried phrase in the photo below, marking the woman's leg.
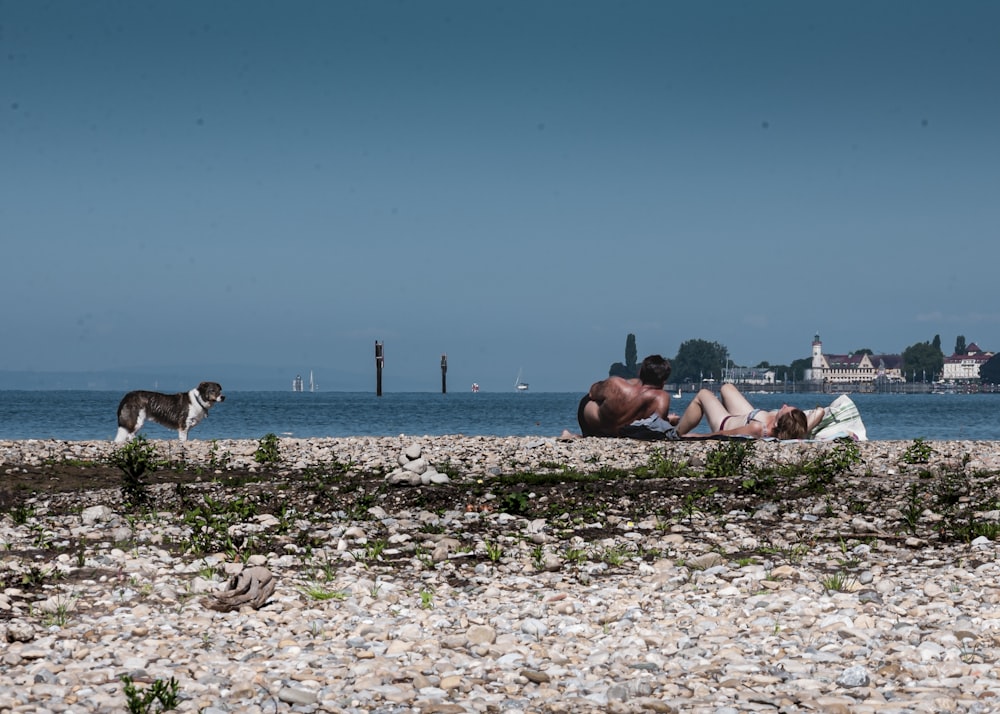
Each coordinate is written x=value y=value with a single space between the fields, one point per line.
x=734 y=402
x=706 y=404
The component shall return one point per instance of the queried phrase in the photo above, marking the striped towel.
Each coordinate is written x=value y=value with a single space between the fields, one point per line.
x=841 y=419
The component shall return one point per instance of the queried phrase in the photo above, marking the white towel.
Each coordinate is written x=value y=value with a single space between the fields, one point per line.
x=841 y=419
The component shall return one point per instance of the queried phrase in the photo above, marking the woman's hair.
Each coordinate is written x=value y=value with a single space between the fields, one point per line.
x=654 y=370
x=791 y=425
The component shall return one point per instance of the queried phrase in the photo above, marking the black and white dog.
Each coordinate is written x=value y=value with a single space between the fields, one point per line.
x=180 y=411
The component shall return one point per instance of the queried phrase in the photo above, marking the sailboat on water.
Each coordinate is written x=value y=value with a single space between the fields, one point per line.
x=519 y=385
x=299 y=386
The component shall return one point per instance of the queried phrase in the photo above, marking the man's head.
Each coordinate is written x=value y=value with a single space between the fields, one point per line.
x=654 y=371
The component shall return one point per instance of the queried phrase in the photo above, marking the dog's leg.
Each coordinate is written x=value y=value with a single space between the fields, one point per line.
x=124 y=432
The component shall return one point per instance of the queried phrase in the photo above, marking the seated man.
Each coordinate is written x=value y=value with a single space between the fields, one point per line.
x=632 y=408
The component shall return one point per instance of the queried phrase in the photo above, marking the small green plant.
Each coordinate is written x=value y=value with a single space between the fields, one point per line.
x=575 y=556
x=516 y=503
x=913 y=508
x=22 y=513
x=318 y=592
x=35 y=575
x=729 y=458
x=950 y=490
x=211 y=522
x=617 y=555
x=325 y=570
x=795 y=553
x=974 y=528
x=358 y=508
x=268 y=450
x=217 y=459
x=141 y=701
x=41 y=538
x=59 y=615
x=689 y=504
x=858 y=506
x=494 y=551
x=831 y=464
x=659 y=466
x=374 y=549
x=761 y=482
x=838 y=582
x=538 y=557
x=919 y=452
x=135 y=458
x=427 y=599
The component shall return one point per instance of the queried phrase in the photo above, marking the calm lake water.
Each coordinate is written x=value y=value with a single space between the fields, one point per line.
x=85 y=415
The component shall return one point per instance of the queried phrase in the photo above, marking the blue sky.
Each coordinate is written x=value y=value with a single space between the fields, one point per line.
x=518 y=184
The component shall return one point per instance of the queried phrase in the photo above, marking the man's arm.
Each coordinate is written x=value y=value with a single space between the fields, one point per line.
x=661 y=406
x=606 y=389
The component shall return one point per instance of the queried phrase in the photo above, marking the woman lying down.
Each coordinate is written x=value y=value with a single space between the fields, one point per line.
x=731 y=414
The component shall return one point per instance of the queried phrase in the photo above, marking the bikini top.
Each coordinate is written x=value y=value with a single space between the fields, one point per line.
x=752 y=417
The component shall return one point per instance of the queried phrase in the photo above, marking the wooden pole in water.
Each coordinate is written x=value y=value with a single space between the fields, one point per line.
x=379 y=360
x=444 y=371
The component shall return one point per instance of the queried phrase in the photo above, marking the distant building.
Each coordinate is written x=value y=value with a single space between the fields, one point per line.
x=758 y=376
x=853 y=368
x=963 y=368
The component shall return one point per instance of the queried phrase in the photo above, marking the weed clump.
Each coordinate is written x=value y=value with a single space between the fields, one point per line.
x=729 y=458
x=164 y=694
x=831 y=464
x=135 y=459
x=919 y=452
x=268 y=450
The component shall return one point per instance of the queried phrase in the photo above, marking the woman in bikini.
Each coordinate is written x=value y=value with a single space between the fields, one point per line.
x=733 y=415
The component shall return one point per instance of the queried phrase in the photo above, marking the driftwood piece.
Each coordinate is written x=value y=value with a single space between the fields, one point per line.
x=252 y=587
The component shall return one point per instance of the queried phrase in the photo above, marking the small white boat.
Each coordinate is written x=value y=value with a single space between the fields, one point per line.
x=519 y=385
x=475 y=387
x=297 y=383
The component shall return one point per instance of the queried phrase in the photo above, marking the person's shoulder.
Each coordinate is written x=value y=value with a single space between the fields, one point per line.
x=609 y=386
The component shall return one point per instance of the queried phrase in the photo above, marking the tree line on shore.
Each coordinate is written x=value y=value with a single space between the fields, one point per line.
x=699 y=359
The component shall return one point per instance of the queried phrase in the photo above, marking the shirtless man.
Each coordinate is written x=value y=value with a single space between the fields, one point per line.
x=633 y=408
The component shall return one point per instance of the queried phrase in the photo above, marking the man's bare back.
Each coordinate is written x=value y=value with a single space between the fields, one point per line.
x=615 y=402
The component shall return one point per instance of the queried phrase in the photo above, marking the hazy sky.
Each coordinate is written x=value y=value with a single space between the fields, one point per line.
x=515 y=184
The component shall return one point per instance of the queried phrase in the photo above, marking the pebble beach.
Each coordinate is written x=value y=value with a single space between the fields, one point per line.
x=854 y=597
